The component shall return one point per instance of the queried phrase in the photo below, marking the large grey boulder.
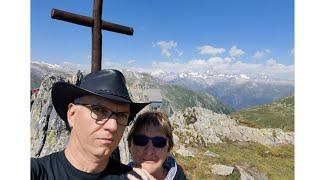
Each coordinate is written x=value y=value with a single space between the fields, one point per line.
x=199 y=126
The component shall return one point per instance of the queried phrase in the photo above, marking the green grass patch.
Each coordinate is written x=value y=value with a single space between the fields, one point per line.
x=279 y=114
x=276 y=162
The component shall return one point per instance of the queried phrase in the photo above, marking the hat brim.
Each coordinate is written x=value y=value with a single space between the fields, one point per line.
x=64 y=93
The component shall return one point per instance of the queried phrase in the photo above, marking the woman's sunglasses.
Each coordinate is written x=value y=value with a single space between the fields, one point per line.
x=142 y=140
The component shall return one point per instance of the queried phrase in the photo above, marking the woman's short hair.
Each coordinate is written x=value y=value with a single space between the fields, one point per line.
x=152 y=118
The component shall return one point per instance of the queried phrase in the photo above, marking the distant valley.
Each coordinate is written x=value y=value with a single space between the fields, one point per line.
x=238 y=91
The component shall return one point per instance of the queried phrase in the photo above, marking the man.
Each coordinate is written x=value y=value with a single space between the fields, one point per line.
x=96 y=113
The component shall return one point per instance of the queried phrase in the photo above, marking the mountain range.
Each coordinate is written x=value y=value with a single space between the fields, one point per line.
x=238 y=91
x=174 y=97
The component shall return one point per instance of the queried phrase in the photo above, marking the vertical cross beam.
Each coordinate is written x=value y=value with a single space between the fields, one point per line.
x=96 y=36
x=96 y=25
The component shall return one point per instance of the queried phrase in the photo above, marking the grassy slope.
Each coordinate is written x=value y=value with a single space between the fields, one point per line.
x=279 y=114
x=277 y=162
x=181 y=98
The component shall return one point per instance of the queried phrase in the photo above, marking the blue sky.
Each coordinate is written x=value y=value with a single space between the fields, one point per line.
x=171 y=34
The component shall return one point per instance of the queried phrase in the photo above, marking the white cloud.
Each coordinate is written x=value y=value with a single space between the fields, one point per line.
x=210 y=50
x=131 y=61
x=216 y=61
x=166 y=46
x=234 y=51
x=258 y=54
x=271 y=62
x=228 y=59
x=227 y=66
x=261 y=54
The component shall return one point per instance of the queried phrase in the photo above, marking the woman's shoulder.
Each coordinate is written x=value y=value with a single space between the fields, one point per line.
x=176 y=172
x=180 y=173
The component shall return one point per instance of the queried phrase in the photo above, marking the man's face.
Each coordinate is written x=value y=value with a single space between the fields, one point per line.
x=92 y=137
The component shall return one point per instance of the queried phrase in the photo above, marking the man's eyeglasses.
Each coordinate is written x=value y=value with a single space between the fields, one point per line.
x=102 y=114
x=142 y=140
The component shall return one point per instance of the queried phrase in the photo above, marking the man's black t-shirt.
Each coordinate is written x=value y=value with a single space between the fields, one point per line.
x=56 y=166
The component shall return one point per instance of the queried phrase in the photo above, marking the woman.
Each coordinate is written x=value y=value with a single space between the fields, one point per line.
x=150 y=141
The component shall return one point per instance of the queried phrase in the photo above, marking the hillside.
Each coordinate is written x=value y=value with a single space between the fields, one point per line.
x=181 y=98
x=278 y=114
x=175 y=97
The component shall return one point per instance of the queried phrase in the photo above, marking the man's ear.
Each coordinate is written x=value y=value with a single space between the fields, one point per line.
x=71 y=114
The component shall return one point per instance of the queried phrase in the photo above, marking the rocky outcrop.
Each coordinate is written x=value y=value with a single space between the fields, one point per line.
x=200 y=126
x=48 y=131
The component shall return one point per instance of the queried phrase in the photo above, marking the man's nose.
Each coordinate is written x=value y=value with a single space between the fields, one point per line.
x=111 y=123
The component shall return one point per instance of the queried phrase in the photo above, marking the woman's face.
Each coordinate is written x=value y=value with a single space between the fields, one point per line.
x=149 y=157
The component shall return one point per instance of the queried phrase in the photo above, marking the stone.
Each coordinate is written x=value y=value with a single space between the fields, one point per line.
x=185 y=152
x=210 y=154
x=250 y=173
x=221 y=170
x=243 y=174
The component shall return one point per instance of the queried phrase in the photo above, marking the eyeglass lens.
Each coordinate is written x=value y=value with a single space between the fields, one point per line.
x=101 y=114
x=142 y=140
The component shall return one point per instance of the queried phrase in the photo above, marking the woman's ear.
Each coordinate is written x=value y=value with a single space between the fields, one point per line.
x=71 y=114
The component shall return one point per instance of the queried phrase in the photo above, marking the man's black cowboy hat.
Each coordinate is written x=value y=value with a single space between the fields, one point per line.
x=109 y=84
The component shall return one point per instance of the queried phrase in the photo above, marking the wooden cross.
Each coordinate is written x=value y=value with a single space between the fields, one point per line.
x=97 y=24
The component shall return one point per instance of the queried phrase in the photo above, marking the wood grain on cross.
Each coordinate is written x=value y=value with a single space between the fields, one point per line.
x=97 y=24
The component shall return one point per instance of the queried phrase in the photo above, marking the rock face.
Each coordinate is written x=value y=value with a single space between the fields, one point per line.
x=201 y=126
x=48 y=131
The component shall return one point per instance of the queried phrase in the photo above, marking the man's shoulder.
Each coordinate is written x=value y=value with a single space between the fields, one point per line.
x=42 y=167
x=117 y=168
x=45 y=160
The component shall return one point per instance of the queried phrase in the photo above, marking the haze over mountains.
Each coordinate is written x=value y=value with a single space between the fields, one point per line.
x=237 y=90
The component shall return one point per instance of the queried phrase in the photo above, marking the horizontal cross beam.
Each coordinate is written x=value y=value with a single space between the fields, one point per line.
x=88 y=21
